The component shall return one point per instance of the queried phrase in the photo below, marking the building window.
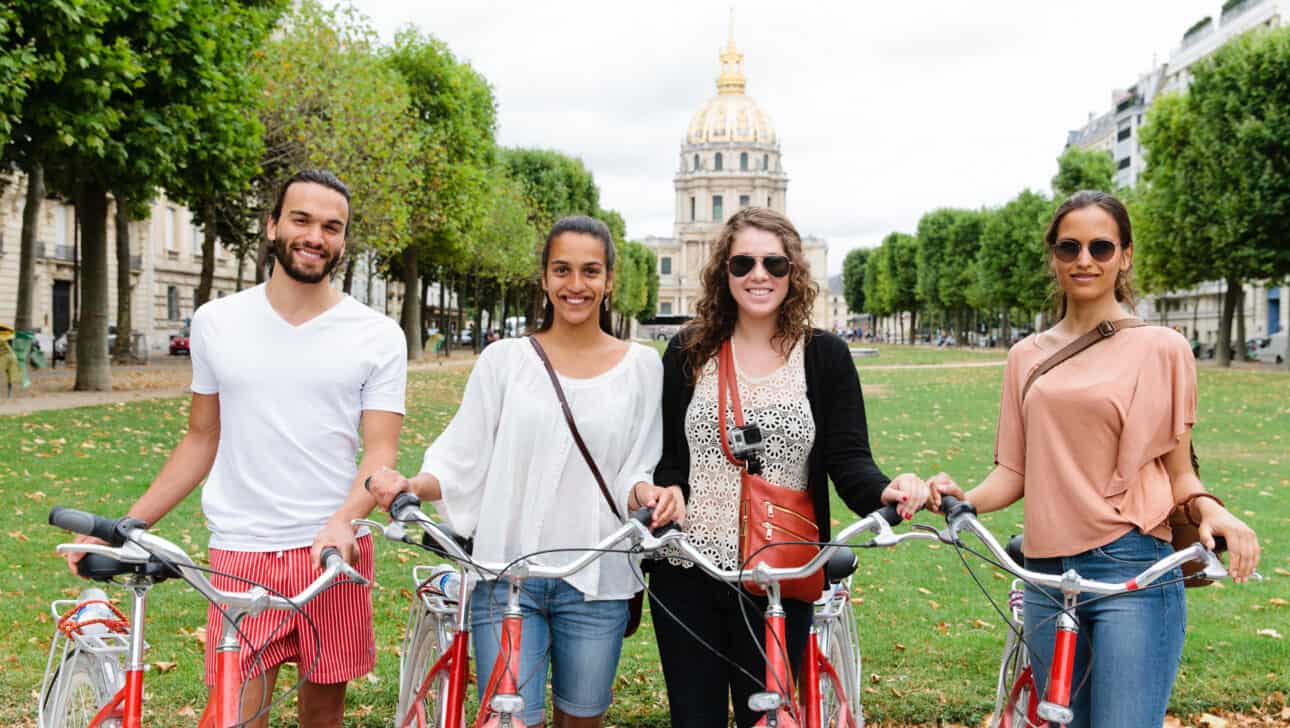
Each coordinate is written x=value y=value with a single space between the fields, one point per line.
x=665 y=266
x=1124 y=133
x=665 y=308
x=744 y=201
x=743 y=161
x=716 y=162
x=197 y=241
x=1124 y=163
x=717 y=215
x=691 y=209
x=696 y=163
x=765 y=162
x=172 y=303
x=767 y=200
x=169 y=239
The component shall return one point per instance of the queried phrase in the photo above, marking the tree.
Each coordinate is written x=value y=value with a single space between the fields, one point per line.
x=635 y=284
x=853 y=278
x=456 y=123
x=1012 y=274
x=1215 y=198
x=875 y=270
x=20 y=64
x=898 y=280
x=116 y=115
x=1083 y=169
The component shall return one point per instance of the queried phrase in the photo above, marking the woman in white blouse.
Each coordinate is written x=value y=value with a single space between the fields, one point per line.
x=507 y=471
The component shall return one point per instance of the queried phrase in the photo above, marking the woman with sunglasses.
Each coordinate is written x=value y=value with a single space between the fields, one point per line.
x=1099 y=447
x=800 y=387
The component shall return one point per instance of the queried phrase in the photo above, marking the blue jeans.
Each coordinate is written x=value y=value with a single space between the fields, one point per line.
x=1132 y=642
x=580 y=640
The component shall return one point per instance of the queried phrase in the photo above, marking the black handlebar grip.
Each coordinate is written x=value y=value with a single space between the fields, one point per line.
x=403 y=500
x=890 y=514
x=953 y=507
x=327 y=552
x=1220 y=544
x=642 y=515
x=87 y=524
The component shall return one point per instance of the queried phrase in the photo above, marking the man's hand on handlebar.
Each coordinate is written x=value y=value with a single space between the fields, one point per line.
x=385 y=484
x=942 y=484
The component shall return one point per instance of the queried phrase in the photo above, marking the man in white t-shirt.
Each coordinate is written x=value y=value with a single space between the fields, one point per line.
x=288 y=376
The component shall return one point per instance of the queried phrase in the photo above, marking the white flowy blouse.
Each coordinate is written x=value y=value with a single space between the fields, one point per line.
x=513 y=477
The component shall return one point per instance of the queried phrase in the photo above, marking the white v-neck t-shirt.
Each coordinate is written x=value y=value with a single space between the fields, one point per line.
x=514 y=479
x=290 y=401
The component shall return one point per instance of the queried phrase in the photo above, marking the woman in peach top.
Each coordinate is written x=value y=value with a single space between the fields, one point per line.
x=1099 y=449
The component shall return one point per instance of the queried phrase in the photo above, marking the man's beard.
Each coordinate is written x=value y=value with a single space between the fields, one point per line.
x=283 y=255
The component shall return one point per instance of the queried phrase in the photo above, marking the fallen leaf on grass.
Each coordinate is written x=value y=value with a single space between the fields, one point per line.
x=927 y=592
x=187 y=711
x=1212 y=721
x=164 y=666
x=1269 y=633
x=1278 y=602
x=982 y=624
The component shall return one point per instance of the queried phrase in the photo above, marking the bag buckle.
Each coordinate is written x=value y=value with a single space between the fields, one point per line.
x=1106 y=328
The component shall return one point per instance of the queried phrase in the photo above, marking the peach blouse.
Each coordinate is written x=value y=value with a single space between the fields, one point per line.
x=1089 y=439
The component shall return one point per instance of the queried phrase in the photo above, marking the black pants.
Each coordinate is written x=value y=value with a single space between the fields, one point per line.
x=699 y=683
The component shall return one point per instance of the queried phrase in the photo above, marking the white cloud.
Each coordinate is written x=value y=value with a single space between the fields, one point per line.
x=884 y=110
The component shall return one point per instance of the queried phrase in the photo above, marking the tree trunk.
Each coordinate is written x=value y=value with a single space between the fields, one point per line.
x=443 y=313
x=913 y=329
x=1223 y=350
x=1242 y=352
x=1195 y=313
x=1005 y=335
x=93 y=373
x=348 y=285
x=425 y=303
x=121 y=352
x=208 y=254
x=477 y=340
x=411 y=306
x=458 y=285
x=369 y=282
x=241 y=264
x=262 y=258
x=27 y=247
x=506 y=308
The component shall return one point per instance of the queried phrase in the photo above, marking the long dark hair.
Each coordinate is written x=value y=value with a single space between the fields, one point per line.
x=1124 y=292
x=716 y=310
x=583 y=225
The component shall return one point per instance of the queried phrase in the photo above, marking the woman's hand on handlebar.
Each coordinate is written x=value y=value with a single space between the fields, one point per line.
x=909 y=493
x=1242 y=543
x=942 y=484
x=666 y=500
x=385 y=484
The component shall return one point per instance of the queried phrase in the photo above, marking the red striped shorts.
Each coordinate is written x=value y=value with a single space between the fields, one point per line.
x=342 y=614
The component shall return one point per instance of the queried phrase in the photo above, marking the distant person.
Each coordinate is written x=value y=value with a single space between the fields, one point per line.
x=800 y=386
x=1101 y=454
x=288 y=378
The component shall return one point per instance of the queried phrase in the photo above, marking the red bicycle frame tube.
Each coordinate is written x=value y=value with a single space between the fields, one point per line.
x=1032 y=701
x=505 y=669
x=1059 y=682
x=779 y=673
x=811 y=684
x=456 y=662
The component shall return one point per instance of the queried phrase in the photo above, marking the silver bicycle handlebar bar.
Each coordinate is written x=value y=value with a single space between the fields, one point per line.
x=142 y=546
x=1071 y=583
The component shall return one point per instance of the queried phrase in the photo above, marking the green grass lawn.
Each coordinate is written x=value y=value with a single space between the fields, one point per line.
x=929 y=637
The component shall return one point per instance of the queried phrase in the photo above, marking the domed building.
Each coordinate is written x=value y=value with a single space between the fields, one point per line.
x=730 y=159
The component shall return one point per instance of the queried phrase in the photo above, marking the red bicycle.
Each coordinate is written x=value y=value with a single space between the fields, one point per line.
x=85 y=682
x=435 y=667
x=1018 y=702
x=829 y=686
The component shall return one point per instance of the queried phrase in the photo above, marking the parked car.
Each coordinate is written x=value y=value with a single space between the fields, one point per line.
x=60 y=343
x=1270 y=349
x=179 y=343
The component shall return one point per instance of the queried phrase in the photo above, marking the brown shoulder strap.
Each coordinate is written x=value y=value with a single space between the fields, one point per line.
x=726 y=380
x=573 y=428
x=1104 y=330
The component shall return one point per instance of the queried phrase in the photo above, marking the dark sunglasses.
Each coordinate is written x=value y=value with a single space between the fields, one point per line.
x=742 y=265
x=1067 y=251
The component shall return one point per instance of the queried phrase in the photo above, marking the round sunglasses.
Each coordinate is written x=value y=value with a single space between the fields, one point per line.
x=1067 y=251
x=742 y=265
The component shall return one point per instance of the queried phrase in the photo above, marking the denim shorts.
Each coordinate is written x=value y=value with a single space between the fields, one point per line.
x=579 y=640
x=1128 y=648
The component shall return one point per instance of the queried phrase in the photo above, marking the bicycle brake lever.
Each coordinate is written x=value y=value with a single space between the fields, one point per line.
x=940 y=535
x=392 y=531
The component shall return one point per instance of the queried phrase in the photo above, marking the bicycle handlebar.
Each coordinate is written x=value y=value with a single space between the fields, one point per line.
x=879 y=523
x=961 y=515
x=135 y=545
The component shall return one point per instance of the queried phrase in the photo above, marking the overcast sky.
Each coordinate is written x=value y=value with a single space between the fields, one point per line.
x=885 y=110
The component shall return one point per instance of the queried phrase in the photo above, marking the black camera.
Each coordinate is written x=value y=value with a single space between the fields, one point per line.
x=746 y=442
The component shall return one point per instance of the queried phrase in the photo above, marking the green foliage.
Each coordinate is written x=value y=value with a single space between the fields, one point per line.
x=614 y=221
x=897 y=283
x=1011 y=269
x=853 y=281
x=649 y=261
x=632 y=274
x=875 y=269
x=19 y=65
x=555 y=184
x=1083 y=169
x=328 y=100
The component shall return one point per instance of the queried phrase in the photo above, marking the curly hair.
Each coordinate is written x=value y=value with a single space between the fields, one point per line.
x=716 y=311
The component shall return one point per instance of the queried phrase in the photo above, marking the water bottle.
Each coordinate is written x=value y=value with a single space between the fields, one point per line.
x=445 y=580
x=92 y=607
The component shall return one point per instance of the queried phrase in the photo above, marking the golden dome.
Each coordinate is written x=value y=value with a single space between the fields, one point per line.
x=730 y=116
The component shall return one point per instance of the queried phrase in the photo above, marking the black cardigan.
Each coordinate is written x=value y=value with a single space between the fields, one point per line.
x=841 y=449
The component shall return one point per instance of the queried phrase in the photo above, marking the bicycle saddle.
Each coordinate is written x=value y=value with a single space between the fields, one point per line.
x=103 y=568
x=1014 y=550
x=840 y=565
